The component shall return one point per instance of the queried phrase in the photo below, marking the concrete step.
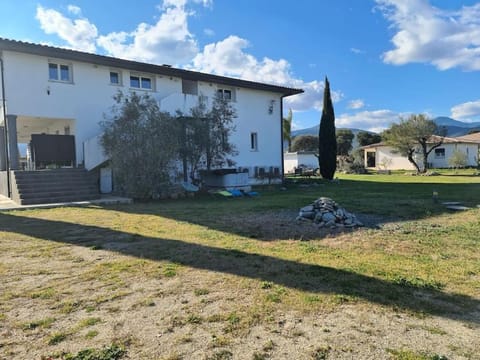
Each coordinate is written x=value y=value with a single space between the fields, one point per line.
x=58 y=189
x=55 y=186
x=58 y=199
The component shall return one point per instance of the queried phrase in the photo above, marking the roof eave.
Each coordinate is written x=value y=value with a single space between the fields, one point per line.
x=75 y=55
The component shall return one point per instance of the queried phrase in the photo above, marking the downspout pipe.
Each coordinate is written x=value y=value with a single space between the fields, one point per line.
x=5 y=127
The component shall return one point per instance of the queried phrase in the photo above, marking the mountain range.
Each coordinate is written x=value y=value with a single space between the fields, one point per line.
x=453 y=127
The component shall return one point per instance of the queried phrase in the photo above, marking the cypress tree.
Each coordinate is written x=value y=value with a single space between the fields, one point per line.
x=327 y=147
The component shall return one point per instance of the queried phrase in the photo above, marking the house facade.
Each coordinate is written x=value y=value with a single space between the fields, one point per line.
x=54 y=91
x=383 y=157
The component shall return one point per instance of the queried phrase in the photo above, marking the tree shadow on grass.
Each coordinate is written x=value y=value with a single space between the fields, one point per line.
x=295 y=275
x=271 y=216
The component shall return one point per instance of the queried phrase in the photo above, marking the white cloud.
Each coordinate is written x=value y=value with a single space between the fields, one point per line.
x=356 y=104
x=229 y=58
x=168 y=41
x=427 y=34
x=209 y=32
x=466 y=110
x=356 y=51
x=376 y=120
x=205 y=3
x=79 y=33
x=75 y=10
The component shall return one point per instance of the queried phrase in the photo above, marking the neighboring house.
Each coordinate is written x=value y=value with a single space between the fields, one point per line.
x=475 y=137
x=65 y=94
x=384 y=157
x=295 y=160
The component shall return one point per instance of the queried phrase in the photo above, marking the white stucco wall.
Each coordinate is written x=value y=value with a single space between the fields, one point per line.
x=293 y=159
x=397 y=162
x=471 y=150
x=394 y=160
x=30 y=93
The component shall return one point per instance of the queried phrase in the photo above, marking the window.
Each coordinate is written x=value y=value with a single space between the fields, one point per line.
x=141 y=82
x=226 y=94
x=253 y=141
x=189 y=87
x=440 y=153
x=115 y=78
x=146 y=83
x=59 y=72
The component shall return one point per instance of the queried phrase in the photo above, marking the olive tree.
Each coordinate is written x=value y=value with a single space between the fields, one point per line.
x=205 y=136
x=141 y=143
x=416 y=133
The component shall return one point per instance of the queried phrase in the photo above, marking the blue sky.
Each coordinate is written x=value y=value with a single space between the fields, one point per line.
x=384 y=58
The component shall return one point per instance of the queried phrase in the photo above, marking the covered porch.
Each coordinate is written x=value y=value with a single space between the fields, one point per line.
x=38 y=162
x=34 y=143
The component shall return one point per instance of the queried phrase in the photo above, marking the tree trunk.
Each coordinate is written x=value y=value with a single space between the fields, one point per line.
x=410 y=158
x=425 y=162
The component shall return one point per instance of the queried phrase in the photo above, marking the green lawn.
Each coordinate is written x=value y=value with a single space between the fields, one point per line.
x=199 y=265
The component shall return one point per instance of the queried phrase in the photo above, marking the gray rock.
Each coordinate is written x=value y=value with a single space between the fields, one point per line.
x=318 y=217
x=448 y=203
x=327 y=213
x=327 y=217
x=307 y=208
x=457 y=207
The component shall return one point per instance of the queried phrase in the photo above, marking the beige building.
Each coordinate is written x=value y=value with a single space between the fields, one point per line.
x=383 y=157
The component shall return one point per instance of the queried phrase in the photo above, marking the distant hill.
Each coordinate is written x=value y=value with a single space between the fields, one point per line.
x=446 y=121
x=314 y=131
x=453 y=127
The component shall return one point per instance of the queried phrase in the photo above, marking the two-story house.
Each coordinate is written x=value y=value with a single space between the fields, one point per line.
x=54 y=98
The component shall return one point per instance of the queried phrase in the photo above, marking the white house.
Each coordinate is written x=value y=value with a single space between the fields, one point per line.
x=53 y=91
x=384 y=157
x=295 y=160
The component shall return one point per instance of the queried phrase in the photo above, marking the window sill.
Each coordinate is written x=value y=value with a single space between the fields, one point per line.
x=141 y=89
x=61 y=82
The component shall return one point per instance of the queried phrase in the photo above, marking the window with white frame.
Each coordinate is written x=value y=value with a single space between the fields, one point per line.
x=440 y=153
x=141 y=82
x=253 y=141
x=115 y=78
x=227 y=94
x=60 y=72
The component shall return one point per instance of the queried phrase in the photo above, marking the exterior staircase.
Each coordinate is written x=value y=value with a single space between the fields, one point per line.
x=54 y=186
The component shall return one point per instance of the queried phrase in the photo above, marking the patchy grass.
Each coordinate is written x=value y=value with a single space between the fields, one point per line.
x=56 y=338
x=221 y=278
x=113 y=352
x=411 y=355
x=42 y=323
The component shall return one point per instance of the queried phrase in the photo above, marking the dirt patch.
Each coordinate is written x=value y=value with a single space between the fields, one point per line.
x=281 y=224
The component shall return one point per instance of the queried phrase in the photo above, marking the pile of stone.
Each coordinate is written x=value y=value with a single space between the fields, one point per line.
x=326 y=213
